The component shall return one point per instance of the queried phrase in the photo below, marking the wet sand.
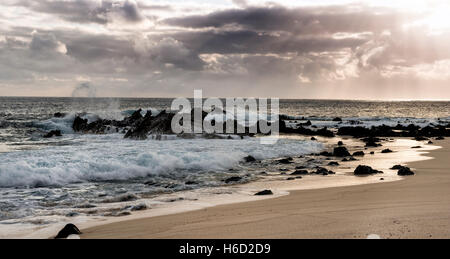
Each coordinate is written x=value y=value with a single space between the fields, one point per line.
x=416 y=207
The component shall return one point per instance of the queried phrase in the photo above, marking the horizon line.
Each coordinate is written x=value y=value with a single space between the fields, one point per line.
x=159 y=97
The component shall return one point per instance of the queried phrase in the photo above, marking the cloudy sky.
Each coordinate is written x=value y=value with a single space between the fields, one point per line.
x=287 y=49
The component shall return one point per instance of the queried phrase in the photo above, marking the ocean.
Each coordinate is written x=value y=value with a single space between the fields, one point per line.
x=57 y=179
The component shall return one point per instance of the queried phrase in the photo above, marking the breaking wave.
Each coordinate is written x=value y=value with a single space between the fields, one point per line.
x=111 y=158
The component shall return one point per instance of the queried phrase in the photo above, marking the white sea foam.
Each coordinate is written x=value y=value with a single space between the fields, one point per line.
x=110 y=157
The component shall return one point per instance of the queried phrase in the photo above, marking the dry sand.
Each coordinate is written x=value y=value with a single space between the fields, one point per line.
x=417 y=207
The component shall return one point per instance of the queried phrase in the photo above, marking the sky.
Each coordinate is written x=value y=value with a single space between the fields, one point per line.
x=228 y=48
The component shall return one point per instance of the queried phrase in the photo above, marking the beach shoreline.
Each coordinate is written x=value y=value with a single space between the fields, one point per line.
x=336 y=212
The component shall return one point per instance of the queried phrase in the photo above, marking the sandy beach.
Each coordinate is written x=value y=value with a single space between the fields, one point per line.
x=416 y=207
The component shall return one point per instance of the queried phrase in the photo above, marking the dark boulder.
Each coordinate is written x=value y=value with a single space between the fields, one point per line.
x=340 y=143
x=233 y=179
x=69 y=229
x=313 y=139
x=404 y=171
x=340 y=152
x=366 y=170
x=440 y=138
x=265 y=192
x=337 y=119
x=249 y=159
x=359 y=153
x=385 y=151
x=53 y=133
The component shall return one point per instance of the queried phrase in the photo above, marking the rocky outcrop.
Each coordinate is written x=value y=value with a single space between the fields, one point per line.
x=160 y=124
x=324 y=132
x=397 y=131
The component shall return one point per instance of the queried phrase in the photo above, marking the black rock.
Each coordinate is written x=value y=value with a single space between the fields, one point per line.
x=440 y=138
x=290 y=178
x=381 y=179
x=372 y=142
x=341 y=152
x=249 y=159
x=265 y=192
x=313 y=139
x=337 y=119
x=190 y=183
x=286 y=160
x=420 y=138
x=322 y=171
x=53 y=133
x=372 y=153
x=430 y=142
x=59 y=115
x=333 y=163
x=359 y=153
x=416 y=147
x=397 y=167
x=300 y=172
x=69 y=229
x=404 y=171
x=340 y=143
x=233 y=179
x=366 y=170
x=385 y=151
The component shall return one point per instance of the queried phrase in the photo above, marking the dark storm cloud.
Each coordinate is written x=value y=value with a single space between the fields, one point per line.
x=251 y=42
x=299 y=20
x=85 y=11
x=241 y=50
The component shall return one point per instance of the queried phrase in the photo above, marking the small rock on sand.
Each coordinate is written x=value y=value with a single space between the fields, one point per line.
x=265 y=192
